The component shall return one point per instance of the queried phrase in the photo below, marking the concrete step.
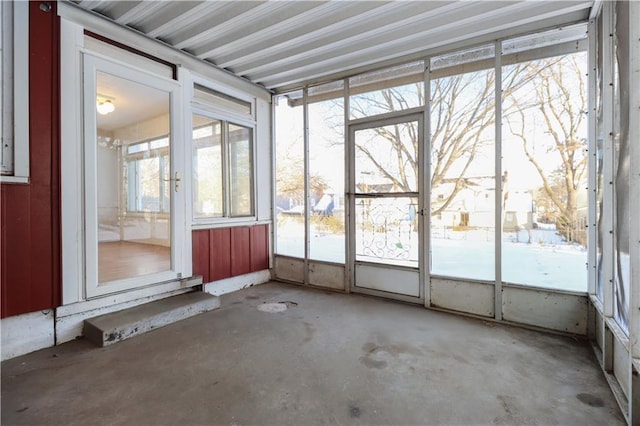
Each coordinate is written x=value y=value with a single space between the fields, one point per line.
x=108 y=329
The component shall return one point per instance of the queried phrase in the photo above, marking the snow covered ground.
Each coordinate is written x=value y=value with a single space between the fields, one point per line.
x=546 y=261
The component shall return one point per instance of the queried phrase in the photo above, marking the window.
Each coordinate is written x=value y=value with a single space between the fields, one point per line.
x=544 y=161
x=14 y=40
x=462 y=166
x=290 y=181
x=222 y=157
x=147 y=176
x=222 y=169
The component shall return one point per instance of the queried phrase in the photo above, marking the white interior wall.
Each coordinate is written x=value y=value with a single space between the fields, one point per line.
x=108 y=196
x=154 y=127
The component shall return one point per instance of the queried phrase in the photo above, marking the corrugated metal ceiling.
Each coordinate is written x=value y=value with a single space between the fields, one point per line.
x=285 y=44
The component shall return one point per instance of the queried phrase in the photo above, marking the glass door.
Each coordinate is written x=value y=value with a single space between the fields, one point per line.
x=386 y=225
x=133 y=192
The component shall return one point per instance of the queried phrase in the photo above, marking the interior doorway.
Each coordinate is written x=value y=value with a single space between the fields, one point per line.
x=133 y=191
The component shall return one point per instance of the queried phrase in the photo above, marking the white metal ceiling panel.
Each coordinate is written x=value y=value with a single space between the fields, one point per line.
x=286 y=44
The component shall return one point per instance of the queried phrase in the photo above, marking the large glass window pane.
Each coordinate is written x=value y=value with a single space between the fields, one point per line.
x=289 y=202
x=545 y=164
x=600 y=137
x=463 y=185
x=387 y=158
x=133 y=166
x=148 y=184
x=387 y=230
x=326 y=176
x=208 y=198
x=392 y=89
x=240 y=171
x=622 y=166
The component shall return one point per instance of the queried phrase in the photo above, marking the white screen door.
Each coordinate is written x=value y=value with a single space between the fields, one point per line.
x=385 y=220
x=132 y=178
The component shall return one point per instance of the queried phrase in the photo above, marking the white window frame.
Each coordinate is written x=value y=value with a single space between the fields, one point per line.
x=14 y=120
x=227 y=117
x=226 y=166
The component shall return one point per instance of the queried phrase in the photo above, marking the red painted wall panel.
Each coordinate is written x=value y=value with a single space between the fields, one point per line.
x=30 y=246
x=240 y=251
x=220 y=253
x=228 y=252
x=259 y=247
x=200 y=254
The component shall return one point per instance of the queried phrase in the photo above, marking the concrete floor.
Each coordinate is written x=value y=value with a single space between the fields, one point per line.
x=330 y=359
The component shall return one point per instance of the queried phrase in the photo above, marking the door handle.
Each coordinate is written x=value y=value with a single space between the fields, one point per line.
x=175 y=179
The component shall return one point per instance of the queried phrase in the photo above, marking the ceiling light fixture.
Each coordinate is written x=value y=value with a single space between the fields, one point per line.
x=105 y=105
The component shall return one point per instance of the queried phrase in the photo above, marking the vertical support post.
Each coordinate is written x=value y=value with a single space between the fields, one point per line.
x=351 y=185
x=274 y=189
x=592 y=227
x=307 y=207
x=425 y=192
x=634 y=196
x=607 y=168
x=634 y=225
x=498 y=180
x=348 y=236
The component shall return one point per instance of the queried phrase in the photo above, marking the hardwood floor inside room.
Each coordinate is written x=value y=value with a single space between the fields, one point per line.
x=124 y=259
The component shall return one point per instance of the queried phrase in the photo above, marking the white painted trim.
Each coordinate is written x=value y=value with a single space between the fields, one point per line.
x=426 y=188
x=607 y=168
x=131 y=37
x=219 y=113
x=634 y=196
x=125 y=297
x=307 y=181
x=179 y=229
x=183 y=222
x=21 y=86
x=14 y=120
x=227 y=90
x=592 y=226
x=389 y=116
x=70 y=320
x=349 y=268
x=262 y=167
x=26 y=333
x=633 y=414
x=72 y=235
x=498 y=183
x=229 y=285
x=595 y=9
x=351 y=127
x=229 y=224
x=14 y=179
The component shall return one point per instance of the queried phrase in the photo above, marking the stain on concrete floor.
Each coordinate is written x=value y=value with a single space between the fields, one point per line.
x=334 y=359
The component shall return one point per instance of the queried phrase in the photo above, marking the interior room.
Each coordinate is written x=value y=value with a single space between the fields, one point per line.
x=306 y=212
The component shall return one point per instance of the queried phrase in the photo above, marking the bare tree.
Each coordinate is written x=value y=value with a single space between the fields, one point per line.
x=557 y=96
x=462 y=116
x=290 y=171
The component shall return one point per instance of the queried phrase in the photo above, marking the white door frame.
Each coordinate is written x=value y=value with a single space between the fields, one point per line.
x=353 y=126
x=91 y=65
